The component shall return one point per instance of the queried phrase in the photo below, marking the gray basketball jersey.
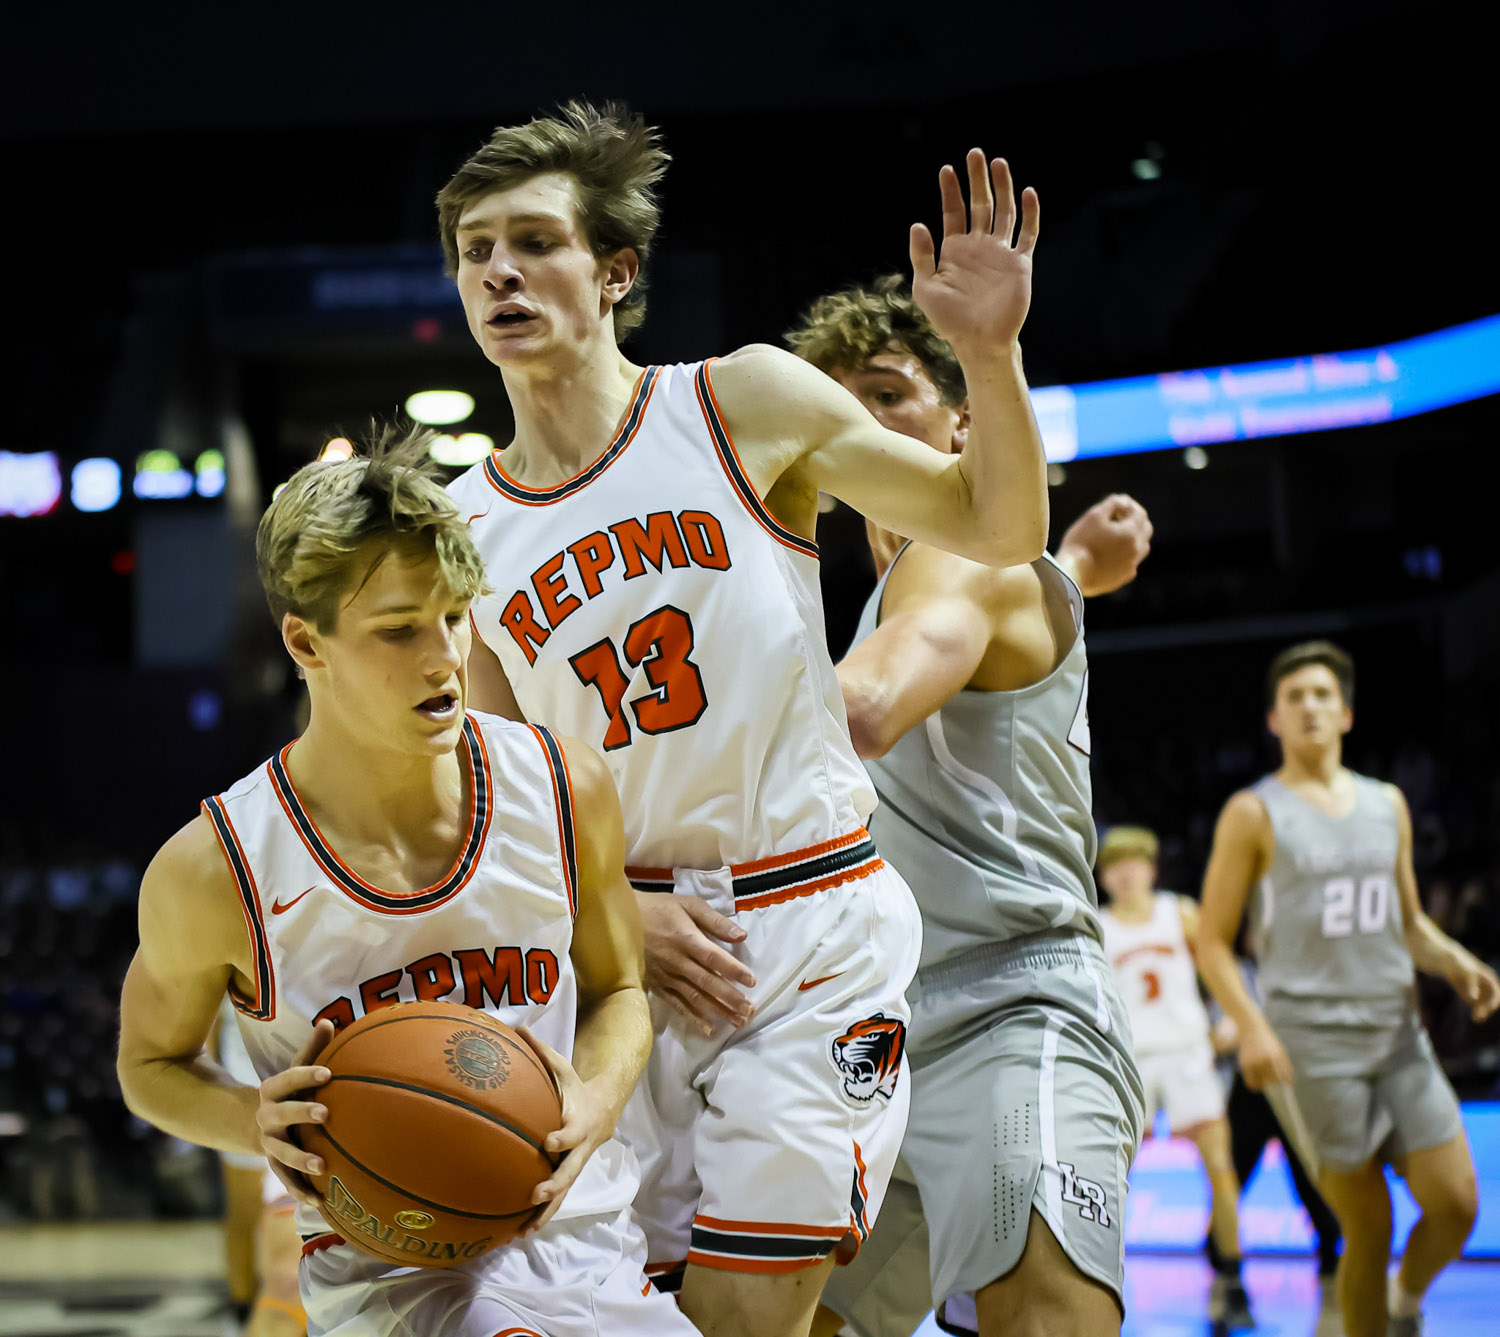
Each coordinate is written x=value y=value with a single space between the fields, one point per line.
x=986 y=807
x=1332 y=950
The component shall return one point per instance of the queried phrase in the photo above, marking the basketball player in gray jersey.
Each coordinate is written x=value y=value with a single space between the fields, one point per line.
x=1341 y=931
x=967 y=692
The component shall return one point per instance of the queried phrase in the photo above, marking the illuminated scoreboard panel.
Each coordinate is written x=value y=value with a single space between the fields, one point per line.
x=1167 y=1207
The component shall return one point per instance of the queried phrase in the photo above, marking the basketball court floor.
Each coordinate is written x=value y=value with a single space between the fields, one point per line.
x=163 y=1280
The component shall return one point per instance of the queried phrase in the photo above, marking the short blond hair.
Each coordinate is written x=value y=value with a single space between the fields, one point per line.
x=308 y=542
x=615 y=160
x=1127 y=842
x=843 y=330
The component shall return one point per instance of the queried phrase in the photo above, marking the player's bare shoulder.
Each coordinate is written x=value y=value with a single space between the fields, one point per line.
x=1245 y=829
x=777 y=407
x=190 y=902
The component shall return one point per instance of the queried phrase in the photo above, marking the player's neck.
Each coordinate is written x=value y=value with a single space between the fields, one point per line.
x=370 y=793
x=1321 y=767
x=1135 y=908
x=567 y=412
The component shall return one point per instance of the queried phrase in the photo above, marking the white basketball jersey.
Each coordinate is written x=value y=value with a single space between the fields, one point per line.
x=494 y=934
x=652 y=606
x=1157 y=978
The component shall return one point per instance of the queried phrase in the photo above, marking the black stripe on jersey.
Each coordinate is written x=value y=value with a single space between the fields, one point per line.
x=373 y=896
x=263 y=1005
x=750 y=1245
x=532 y=496
x=742 y=485
x=857 y=1207
x=565 y=811
x=670 y=1281
x=824 y=865
x=653 y=884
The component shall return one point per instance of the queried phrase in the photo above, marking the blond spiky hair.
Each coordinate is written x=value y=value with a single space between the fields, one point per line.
x=309 y=541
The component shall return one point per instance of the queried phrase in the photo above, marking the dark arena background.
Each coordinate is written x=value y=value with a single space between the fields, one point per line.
x=1267 y=305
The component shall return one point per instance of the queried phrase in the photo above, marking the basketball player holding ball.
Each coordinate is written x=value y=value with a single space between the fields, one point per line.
x=1340 y=928
x=402 y=850
x=650 y=534
x=967 y=692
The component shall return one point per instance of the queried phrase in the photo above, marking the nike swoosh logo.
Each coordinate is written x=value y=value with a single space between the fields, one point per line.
x=278 y=908
x=806 y=984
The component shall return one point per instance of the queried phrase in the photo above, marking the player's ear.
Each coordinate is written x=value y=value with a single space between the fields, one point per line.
x=960 y=428
x=620 y=272
x=297 y=635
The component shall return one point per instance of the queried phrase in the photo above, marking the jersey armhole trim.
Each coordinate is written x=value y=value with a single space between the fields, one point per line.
x=729 y=457
x=567 y=831
x=263 y=1006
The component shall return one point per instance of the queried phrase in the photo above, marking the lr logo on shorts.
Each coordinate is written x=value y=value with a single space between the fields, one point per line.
x=1088 y=1195
x=868 y=1055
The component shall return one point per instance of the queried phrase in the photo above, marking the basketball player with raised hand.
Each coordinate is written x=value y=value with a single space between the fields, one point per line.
x=967 y=691
x=650 y=532
x=1148 y=937
x=402 y=849
x=1340 y=928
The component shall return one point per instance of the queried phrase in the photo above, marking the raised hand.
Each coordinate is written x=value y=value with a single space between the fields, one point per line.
x=976 y=291
x=282 y=1108
x=1106 y=544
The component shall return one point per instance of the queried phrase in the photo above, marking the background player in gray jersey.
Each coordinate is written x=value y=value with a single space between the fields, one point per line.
x=1341 y=926
x=970 y=697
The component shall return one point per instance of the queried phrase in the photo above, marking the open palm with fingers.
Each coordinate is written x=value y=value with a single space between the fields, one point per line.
x=977 y=289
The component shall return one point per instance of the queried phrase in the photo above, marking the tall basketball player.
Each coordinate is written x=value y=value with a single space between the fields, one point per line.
x=394 y=852
x=1148 y=937
x=650 y=532
x=1340 y=928
x=967 y=689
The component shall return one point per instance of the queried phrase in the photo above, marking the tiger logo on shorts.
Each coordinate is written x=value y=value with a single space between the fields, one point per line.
x=869 y=1055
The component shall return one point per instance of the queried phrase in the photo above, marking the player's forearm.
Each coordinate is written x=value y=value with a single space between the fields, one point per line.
x=195 y=1100
x=1003 y=462
x=612 y=1042
x=1433 y=952
x=1221 y=976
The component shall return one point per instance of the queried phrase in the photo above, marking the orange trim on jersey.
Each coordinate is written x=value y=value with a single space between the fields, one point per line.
x=767 y=1266
x=318 y=1242
x=768 y=1228
x=738 y=478
x=633 y=871
x=635 y=415
x=863 y=1226
x=808 y=888
x=797 y=856
x=481 y=792
x=518 y=1332
x=263 y=1006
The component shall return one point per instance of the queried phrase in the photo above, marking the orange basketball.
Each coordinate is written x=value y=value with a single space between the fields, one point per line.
x=433 y=1142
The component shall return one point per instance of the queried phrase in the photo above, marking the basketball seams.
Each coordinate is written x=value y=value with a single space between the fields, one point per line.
x=445 y=1098
x=416 y=1012
x=408 y=1195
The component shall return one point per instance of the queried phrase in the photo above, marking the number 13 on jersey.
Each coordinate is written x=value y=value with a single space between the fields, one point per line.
x=659 y=645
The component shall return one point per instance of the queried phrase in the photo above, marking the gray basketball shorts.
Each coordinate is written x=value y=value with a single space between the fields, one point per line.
x=1369 y=1093
x=1024 y=1098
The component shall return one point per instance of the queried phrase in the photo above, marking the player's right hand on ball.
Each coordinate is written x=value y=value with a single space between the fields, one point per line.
x=1263 y=1059
x=684 y=965
x=283 y=1106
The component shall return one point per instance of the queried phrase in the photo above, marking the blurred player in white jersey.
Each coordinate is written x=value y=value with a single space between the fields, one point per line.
x=1340 y=928
x=260 y=1237
x=967 y=690
x=397 y=851
x=1149 y=936
x=650 y=533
